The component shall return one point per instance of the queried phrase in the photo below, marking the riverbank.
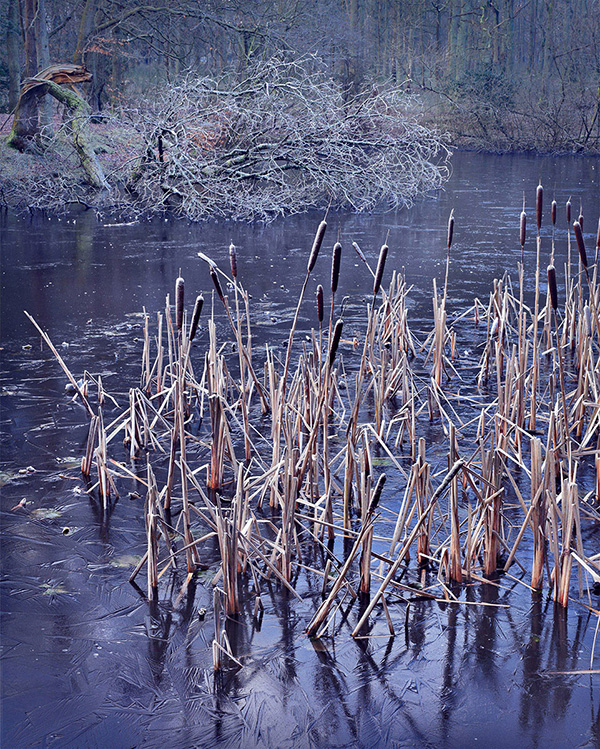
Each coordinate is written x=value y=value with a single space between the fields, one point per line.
x=51 y=179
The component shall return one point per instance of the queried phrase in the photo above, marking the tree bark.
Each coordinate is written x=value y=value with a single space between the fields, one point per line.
x=28 y=108
x=13 y=48
x=43 y=58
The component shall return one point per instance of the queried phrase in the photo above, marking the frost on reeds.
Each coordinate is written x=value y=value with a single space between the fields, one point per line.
x=261 y=457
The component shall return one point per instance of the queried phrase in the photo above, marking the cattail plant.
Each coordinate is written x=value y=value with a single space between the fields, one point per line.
x=196 y=316
x=380 y=268
x=577 y=228
x=522 y=230
x=449 y=237
x=335 y=341
x=233 y=261
x=179 y=293
x=320 y=307
x=336 y=257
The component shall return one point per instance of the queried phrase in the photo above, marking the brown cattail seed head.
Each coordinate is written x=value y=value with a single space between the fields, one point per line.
x=569 y=212
x=523 y=228
x=554 y=209
x=377 y=493
x=450 y=229
x=335 y=340
x=233 y=260
x=580 y=244
x=580 y=220
x=320 y=302
x=196 y=316
x=217 y=283
x=316 y=246
x=380 y=268
x=539 y=200
x=335 y=266
x=179 y=287
x=552 y=290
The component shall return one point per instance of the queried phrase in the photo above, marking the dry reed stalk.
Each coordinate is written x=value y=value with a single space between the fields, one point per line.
x=372 y=499
x=174 y=436
x=106 y=485
x=492 y=508
x=152 y=534
x=440 y=330
x=62 y=364
x=227 y=532
x=569 y=505
x=553 y=293
x=242 y=363
x=145 y=381
x=351 y=430
x=236 y=328
x=422 y=490
x=86 y=462
x=288 y=509
x=535 y=357
x=538 y=516
x=449 y=237
x=322 y=611
x=159 y=354
x=455 y=566
x=320 y=313
x=221 y=647
x=134 y=435
x=334 y=342
x=191 y=550
x=458 y=466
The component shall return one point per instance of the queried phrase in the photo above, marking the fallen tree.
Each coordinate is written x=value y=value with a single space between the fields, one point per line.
x=282 y=139
x=25 y=128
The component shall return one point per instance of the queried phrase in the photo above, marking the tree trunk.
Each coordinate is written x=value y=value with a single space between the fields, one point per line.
x=13 y=49
x=85 y=28
x=43 y=58
x=28 y=108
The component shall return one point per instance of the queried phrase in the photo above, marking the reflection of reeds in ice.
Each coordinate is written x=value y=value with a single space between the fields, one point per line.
x=306 y=432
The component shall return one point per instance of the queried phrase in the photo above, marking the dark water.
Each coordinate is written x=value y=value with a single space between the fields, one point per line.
x=86 y=662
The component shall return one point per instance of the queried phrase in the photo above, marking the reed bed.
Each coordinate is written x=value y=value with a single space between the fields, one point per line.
x=277 y=461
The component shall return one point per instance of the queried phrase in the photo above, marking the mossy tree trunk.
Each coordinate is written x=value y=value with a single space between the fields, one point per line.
x=79 y=111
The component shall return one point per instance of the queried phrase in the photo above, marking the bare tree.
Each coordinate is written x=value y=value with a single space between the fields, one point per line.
x=278 y=141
